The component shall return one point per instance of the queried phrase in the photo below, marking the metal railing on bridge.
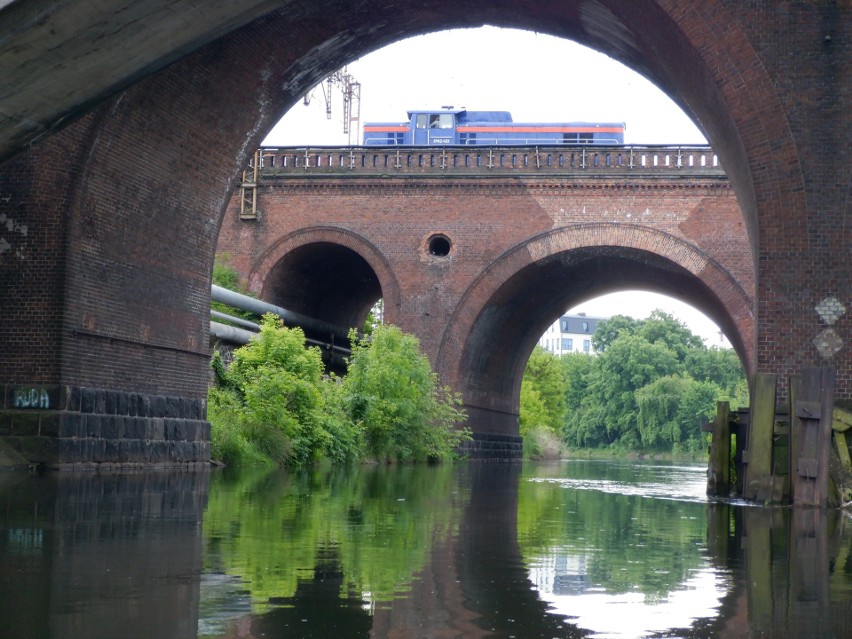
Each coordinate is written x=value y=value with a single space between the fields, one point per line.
x=589 y=161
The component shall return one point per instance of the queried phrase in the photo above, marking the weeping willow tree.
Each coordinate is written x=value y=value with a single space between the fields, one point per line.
x=650 y=386
x=671 y=410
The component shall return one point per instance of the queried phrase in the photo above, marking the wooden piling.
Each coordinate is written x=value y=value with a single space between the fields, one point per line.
x=719 y=464
x=757 y=458
x=811 y=436
x=841 y=423
x=739 y=430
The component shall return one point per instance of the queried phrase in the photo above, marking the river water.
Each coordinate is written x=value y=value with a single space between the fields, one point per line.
x=571 y=549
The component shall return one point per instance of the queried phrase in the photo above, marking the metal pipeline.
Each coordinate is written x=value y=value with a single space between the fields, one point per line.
x=237 y=335
x=239 y=321
x=246 y=303
x=231 y=334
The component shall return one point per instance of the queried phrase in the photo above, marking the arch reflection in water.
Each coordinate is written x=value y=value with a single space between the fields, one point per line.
x=622 y=548
x=574 y=549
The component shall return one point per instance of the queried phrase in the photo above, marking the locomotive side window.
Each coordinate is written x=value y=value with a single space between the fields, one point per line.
x=422 y=121
x=441 y=121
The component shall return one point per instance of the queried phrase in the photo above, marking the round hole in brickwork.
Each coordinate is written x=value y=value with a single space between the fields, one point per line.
x=439 y=245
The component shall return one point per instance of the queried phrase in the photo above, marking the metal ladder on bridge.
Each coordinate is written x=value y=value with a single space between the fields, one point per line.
x=248 y=189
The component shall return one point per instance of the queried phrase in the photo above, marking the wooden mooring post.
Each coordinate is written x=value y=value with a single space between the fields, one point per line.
x=810 y=422
x=719 y=464
x=758 y=480
x=782 y=455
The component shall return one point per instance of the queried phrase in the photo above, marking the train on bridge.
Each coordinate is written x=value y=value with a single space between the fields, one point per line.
x=451 y=126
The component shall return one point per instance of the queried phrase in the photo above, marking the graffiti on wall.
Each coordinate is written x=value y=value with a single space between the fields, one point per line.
x=30 y=398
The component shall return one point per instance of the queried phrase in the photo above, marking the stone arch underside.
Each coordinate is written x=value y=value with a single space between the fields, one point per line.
x=328 y=274
x=502 y=315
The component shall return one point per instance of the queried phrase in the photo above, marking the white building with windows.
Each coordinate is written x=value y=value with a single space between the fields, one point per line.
x=570 y=334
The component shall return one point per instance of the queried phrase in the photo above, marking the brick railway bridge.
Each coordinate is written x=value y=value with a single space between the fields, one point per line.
x=478 y=250
x=125 y=127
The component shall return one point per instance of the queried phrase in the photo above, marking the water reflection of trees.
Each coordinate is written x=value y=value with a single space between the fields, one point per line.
x=379 y=524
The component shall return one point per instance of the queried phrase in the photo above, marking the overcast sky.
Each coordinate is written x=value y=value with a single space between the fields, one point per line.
x=537 y=78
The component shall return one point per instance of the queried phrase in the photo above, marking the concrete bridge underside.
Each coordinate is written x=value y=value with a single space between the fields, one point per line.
x=124 y=127
x=519 y=251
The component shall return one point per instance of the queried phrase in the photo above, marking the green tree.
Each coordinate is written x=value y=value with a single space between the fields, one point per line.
x=609 y=329
x=274 y=403
x=629 y=363
x=545 y=376
x=392 y=395
x=225 y=275
x=718 y=365
x=666 y=329
x=698 y=406
x=650 y=386
x=581 y=427
x=533 y=411
x=576 y=368
x=374 y=317
x=671 y=410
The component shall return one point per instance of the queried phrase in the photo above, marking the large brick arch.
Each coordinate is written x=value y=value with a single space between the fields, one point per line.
x=506 y=309
x=128 y=198
x=709 y=56
x=354 y=268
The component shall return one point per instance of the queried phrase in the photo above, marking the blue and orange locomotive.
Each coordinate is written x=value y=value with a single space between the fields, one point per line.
x=462 y=127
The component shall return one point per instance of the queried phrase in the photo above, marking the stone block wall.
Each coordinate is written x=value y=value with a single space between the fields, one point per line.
x=68 y=427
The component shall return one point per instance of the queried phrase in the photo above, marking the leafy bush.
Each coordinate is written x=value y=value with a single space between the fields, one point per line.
x=272 y=395
x=392 y=395
x=274 y=404
x=542 y=443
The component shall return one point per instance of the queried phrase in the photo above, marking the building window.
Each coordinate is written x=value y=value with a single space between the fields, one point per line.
x=567 y=344
x=587 y=346
x=585 y=327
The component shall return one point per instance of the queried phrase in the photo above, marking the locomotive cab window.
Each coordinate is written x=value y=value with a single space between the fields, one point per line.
x=422 y=121
x=441 y=121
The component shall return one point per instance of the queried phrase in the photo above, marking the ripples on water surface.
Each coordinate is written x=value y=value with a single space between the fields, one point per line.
x=683 y=483
x=574 y=549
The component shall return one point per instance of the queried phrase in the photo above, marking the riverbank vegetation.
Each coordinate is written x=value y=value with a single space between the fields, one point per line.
x=647 y=389
x=274 y=404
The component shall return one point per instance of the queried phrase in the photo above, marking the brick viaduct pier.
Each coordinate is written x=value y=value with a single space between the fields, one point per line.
x=477 y=251
x=125 y=126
